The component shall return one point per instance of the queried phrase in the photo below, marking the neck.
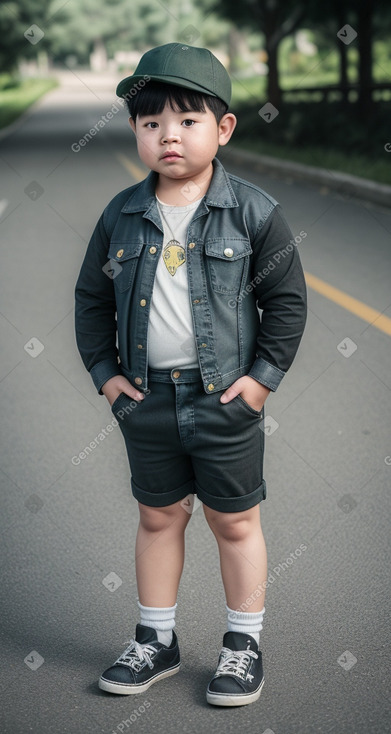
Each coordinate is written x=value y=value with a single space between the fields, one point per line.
x=179 y=192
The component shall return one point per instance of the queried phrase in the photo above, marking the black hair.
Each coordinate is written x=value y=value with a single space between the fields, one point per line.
x=152 y=98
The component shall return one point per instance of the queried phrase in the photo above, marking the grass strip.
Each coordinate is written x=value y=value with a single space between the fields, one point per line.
x=332 y=160
x=15 y=98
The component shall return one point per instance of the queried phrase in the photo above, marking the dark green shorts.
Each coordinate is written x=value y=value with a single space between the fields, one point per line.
x=181 y=441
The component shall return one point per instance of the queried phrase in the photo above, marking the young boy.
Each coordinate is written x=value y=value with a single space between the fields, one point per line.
x=184 y=259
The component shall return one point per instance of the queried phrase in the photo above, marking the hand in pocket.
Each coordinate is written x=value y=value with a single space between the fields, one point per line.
x=113 y=387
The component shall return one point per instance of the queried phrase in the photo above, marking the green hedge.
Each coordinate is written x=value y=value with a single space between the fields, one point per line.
x=330 y=135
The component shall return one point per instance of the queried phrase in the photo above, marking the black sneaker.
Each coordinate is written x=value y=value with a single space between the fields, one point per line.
x=144 y=662
x=239 y=676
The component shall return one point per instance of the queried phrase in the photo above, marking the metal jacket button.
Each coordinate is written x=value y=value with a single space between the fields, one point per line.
x=228 y=252
x=120 y=253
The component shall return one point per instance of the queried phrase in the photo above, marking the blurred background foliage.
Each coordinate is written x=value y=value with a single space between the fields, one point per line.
x=332 y=97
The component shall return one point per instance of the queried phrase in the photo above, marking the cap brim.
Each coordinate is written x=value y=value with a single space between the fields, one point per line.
x=125 y=86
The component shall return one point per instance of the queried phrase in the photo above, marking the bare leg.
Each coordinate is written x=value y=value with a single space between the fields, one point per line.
x=160 y=553
x=243 y=557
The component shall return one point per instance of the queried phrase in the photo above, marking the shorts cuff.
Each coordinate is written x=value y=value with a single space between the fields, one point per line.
x=161 y=499
x=232 y=504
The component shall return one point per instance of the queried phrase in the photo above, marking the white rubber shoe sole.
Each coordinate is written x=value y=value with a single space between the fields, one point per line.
x=124 y=689
x=226 y=699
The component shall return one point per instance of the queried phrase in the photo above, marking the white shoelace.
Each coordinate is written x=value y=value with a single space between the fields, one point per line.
x=136 y=655
x=235 y=662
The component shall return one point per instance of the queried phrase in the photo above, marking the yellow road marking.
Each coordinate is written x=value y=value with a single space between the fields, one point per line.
x=138 y=173
x=364 y=312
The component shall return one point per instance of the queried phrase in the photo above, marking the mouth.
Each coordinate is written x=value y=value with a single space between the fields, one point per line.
x=170 y=155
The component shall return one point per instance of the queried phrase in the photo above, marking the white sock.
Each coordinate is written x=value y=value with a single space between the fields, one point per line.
x=249 y=623
x=162 y=619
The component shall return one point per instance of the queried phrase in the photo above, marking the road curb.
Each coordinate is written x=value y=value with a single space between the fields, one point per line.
x=343 y=183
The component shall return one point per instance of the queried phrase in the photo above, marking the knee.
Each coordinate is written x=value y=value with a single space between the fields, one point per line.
x=231 y=526
x=158 y=519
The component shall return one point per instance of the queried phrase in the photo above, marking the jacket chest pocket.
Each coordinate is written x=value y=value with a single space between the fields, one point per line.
x=225 y=260
x=123 y=260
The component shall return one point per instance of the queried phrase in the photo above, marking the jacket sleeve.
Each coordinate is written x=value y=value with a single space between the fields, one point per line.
x=95 y=311
x=279 y=284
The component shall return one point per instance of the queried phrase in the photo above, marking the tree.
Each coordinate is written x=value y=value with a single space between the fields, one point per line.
x=326 y=21
x=15 y=19
x=368 y=19
x=88 y=25
x=276 y=19
x=365 y=14
x=80 y=27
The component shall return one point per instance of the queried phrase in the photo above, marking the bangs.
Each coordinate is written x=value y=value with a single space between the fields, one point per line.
x=152 y=99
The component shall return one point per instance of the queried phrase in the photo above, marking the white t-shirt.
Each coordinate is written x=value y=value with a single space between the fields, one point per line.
x=171 y=341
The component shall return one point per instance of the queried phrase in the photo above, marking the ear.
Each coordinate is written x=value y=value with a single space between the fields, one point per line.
x=132 y=124
x=227 y=125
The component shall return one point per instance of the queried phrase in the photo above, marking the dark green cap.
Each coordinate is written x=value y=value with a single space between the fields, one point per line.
x=184 y=66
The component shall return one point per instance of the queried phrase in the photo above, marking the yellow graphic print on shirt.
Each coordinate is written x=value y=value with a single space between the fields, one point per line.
x=173 y=256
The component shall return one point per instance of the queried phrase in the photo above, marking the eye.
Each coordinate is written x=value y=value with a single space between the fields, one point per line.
x=152 y=125
x=188 y=123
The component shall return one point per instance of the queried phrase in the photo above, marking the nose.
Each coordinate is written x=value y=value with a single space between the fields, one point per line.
x=171 y=136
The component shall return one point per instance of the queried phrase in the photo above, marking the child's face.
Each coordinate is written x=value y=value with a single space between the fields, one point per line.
x=193 y=139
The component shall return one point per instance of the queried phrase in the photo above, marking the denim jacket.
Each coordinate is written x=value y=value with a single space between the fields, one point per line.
x=241 y=260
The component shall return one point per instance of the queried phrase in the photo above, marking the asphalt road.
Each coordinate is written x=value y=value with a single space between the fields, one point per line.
x=67 y=528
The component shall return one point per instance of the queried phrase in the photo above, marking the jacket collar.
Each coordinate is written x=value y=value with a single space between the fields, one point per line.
x=220 y=193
